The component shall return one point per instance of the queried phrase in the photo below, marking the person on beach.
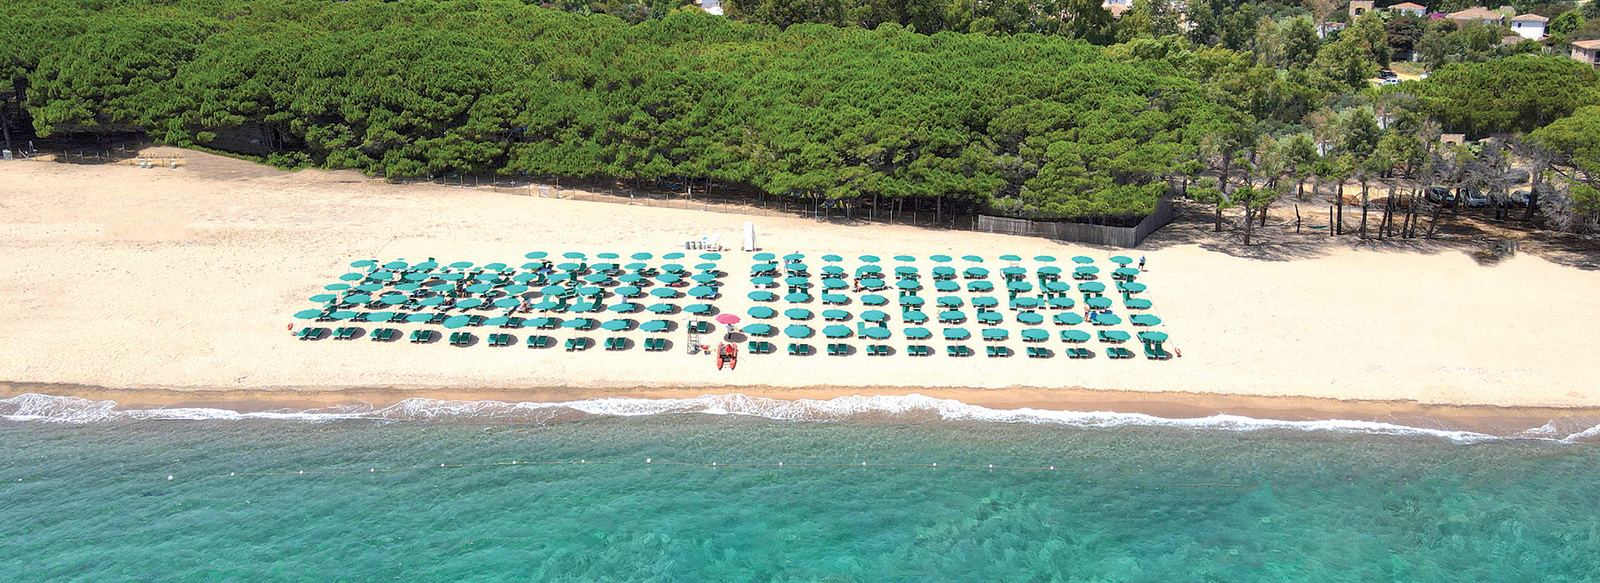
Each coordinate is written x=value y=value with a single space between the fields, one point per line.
x=1141 y=263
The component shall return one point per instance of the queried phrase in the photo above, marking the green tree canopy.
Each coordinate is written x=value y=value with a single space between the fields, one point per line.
x=1516 y=94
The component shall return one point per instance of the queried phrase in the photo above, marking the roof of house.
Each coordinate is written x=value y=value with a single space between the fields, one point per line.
x=1408 y=6
x=1529 y=18
x=1588 y=44
x=1476 y=13
x=1116 y=10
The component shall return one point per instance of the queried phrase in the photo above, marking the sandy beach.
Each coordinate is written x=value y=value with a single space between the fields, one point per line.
x=184 y=279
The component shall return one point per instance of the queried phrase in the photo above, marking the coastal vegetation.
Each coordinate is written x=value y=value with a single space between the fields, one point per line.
x=1072 y=116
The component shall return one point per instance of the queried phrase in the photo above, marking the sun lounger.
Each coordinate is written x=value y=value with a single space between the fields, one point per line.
x=958 y=351
x=498 y=340
x=836 y=349
x=699 y=327
x=345 y=333
x=420 y=336
x=616 y=343
x=1037 y=352
x=460 y=338
x=574 y=344
x=799 y=349
x=919 y=350
x=997 y=351
x=538 y=341
x=307 y=333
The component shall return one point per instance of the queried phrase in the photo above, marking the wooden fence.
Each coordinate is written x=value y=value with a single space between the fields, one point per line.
x=1081 y=232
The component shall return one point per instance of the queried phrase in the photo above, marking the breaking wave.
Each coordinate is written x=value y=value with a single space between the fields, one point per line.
x=907 y=408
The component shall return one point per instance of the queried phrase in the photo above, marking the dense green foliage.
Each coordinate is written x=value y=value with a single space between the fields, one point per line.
x=1084 y=19
x=1029 y=124
x=1007 y=107
x=1518 y=94
x=1575 y=141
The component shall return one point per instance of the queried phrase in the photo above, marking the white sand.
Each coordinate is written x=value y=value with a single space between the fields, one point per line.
x=124 y=277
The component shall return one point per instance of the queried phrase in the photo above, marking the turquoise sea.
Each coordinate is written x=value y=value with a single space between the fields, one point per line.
x=87 y=494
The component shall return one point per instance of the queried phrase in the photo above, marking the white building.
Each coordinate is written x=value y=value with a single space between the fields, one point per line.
x=1529 y=26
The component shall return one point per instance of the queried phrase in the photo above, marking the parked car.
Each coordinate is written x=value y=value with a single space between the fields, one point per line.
x=1474 y=198
x=1518 y=198
x=1440 y=195
x=1387 y=74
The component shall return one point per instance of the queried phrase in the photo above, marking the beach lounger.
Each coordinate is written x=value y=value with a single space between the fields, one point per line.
x=798 y=349
x=997 y=351
x=460 y=338
x=699 y=327
x=838 y=349
x=346 y=333
x=958 y=351
x=498 y=340
x=307 y=333
x=1113 y=353
x=574 y=344
x=538 y=341
x=1124 y=353
x=1037 y=352
x=616 y=343
x=420 y=336
x=1106 y=337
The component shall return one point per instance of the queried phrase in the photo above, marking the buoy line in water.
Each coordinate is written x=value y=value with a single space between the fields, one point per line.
x=652 y=462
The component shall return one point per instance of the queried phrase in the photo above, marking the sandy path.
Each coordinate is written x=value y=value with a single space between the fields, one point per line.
x=125 y=277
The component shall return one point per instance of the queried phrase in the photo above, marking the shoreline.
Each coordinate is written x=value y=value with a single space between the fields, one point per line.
x=1497 y=421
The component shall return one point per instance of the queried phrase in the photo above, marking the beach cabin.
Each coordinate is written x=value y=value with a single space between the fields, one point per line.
x=1409 y=9
x=1585 y=51
x=1529 y=26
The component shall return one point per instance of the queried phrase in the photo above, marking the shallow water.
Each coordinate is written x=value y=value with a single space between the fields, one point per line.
x=94 y=502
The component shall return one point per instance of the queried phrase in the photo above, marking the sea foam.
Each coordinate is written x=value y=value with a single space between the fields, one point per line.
x=881 y=408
